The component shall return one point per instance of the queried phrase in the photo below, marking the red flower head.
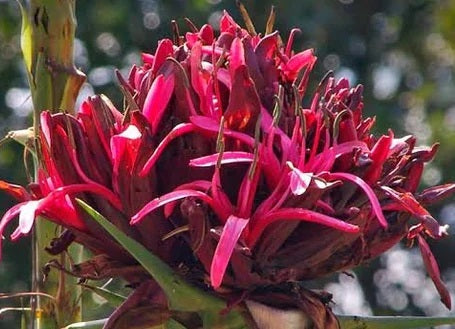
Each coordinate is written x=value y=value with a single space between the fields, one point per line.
x=263 y=190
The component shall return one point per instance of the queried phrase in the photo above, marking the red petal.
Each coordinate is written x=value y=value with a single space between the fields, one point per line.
x=148 y=58
x=27 y=217
x=368 y=191
x=433 y=270
x=177 y=131
x=236 y=55
x=227 y=157
x=232 y=230
x=244 y=103
x=7 y=217
x=16 y=191
x=164 y=50
x=211 y=125
x=81 y=188
x=298 y=214
x=378 y=155
x=125 y=143
x=199 y=185
x=167 y=198
x=411 y=205
x=227 y=23
x=299 y=181
x=291 y=41
x=157 y=99
x=298 y=62
x=206 y=34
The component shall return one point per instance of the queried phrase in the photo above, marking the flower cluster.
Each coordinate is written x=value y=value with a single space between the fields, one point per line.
x=217 y=165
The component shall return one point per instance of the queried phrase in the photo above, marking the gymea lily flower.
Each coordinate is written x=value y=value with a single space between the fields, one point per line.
x=295 y=193
x=257 y=191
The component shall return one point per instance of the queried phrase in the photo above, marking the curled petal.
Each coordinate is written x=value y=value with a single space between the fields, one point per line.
x=298 y=62
x=407 y=202
x=368 y=191
x=8 y=217
x=297 y=214
x=148 y=58
x=16 y=191
x=436 y=193
x=227 y=157
x=433 y=270
x=177 y=131
x=211 y=125
x=27 y=217
x=198 y=185
x=167 y=198
x=232 y=230
x=299 y=181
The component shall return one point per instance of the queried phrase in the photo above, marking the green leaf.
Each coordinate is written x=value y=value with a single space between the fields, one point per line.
x=111 y=297
x=181 y=296
x=392 y=322
x=172 y=324
x=94 y=324
x=26 y=39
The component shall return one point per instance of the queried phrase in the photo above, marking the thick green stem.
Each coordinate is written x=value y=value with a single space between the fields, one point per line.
x=48 y=30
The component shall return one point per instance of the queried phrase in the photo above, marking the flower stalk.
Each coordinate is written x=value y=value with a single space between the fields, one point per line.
x=47 y=41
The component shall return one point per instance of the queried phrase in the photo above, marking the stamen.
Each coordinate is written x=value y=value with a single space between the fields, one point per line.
x=246 y=18
x=270 y=21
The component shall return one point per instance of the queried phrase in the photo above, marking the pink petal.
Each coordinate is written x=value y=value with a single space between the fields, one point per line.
x=291 y=41
x=236 y=55
x=379 y=155
x=298 y=62
x=128 y=141
x=164 y=50
x=299 y=181
x=157 y=99
x=433 y=270
x=266 y=48
x=177 y=131
x=7 y=217
x=232 y=230
x=167 y=198
x=199 y=185
x=199 y=80
x=206 y=34
x=220 y=199
x=211 y=125
x=80 y=188
x=247 y=191
x=298 y=214
x=411 y=205
x=16 y=191
x=148 y=58
x=266 y=125
x=227 y=23
x=27 y=216
x=227 y=157
x=368 y=191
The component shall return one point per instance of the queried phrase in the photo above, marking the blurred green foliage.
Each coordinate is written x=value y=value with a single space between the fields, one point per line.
x=403 y=52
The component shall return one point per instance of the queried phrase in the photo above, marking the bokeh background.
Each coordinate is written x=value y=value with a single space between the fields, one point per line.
x=403 y=52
